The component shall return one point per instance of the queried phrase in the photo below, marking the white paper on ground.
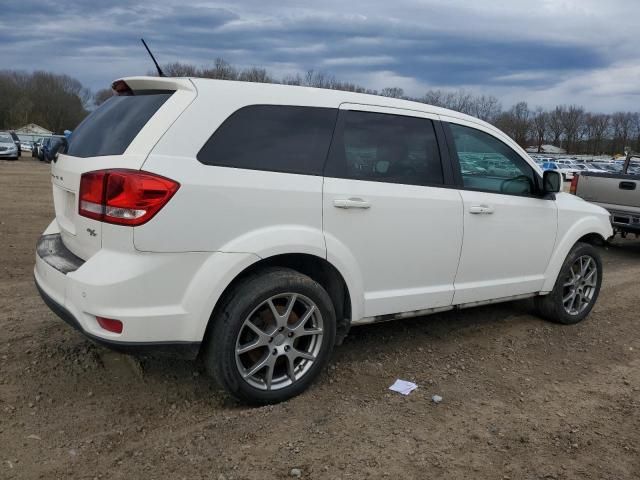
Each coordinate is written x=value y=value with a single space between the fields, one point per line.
x=403 y=387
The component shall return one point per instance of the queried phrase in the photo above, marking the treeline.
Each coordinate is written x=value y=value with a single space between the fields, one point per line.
x=55 y=102
x=58 y=102
x=566 y=126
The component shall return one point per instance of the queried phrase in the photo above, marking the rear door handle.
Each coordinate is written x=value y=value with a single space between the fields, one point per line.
x=481 y=209
x=351 y=203
x=627 y=185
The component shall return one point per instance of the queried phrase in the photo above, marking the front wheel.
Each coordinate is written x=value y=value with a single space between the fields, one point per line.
x=577 y=287
x=271 y=337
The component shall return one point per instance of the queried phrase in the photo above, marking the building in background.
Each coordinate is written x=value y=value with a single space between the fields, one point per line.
x=33 y=132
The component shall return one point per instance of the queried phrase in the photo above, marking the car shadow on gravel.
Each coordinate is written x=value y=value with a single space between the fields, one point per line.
x=441 y=327
x=627 y=250
x=438 y=334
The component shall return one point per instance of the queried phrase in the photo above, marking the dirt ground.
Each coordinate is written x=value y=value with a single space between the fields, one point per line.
x=522 y=398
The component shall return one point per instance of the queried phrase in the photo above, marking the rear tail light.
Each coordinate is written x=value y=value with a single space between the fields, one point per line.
x=574 y=184
x=124 y=197
x=110 y=325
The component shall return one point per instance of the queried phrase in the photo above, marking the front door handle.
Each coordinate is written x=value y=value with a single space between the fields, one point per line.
x=351 y=203
x=481 y=209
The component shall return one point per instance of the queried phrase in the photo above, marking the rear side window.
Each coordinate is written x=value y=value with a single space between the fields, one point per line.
x=111 y=127
x=275 y=138
x=385 y=148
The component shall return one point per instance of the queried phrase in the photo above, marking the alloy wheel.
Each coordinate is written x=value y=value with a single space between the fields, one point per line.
x=279 y=341
x=580 y=285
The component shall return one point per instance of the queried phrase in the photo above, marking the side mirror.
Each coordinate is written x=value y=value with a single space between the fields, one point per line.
x=551 y=181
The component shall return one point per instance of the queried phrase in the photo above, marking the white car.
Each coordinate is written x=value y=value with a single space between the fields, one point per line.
x=585 y=167
x=8 y=149
x=568 y=168
x=255 y=224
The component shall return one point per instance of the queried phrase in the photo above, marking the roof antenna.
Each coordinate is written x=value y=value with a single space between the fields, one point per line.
x=160 y=72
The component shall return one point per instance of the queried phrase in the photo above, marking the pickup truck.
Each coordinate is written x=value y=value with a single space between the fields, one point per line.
x=619 y=193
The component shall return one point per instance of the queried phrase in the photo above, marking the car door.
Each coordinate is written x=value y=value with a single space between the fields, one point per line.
x=388 y=217
x=509 y=229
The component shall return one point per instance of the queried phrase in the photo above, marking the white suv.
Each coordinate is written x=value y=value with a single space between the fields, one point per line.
x=255 y=224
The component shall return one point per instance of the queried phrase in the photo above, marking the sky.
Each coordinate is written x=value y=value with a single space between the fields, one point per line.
x=545 y=52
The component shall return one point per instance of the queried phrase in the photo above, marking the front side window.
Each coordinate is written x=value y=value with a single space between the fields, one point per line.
x=385 y=148
x=275 y=138
x=488 y=164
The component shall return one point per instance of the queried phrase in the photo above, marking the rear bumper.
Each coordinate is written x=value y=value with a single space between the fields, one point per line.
x=164 y=300
x=188 y=350
x=151 y=325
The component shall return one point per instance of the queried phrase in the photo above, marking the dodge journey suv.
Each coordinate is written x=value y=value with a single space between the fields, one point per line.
x=254 y=224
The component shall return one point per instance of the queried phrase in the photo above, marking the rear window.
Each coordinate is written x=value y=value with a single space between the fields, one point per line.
x=275 y=138
x=111 y=127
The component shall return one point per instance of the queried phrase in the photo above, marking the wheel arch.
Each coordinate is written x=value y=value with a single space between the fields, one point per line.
x=313 y=266
x=589 y=230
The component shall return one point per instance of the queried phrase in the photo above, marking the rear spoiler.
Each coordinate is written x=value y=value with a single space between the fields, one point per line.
x=158 y=83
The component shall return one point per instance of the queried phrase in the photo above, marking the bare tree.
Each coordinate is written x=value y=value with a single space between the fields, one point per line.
x=635 y=122
x=395 y=92
x=102 y=96
x=178 y=69
x=555 y=125
x=622 y=124
x=56 y=102
x=255 y=74
x=516 y=123
x=540 y=126
x=485 y=107
x=572 y=119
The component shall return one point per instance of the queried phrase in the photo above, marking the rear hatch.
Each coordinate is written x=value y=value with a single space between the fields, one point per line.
x=120 y=133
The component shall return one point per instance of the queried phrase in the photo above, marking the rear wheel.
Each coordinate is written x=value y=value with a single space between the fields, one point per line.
x=271 y=337
x=576 y=289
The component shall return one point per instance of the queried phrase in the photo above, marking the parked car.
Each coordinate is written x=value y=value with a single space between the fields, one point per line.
x=41 y=148
x=607 y=166
x=255 y=224
x=568 y=167
x=26 y=145
x=586 y=167
x=36 y=148
x=16 y=141
x=50 y=148
x=619 y=193
x=566 y=173
x=8 y=149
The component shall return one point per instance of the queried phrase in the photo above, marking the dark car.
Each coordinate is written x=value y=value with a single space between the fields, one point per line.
x=50 y=148
x=16 y=140
x=41 y=145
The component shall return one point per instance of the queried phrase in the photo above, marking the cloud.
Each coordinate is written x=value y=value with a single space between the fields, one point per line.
x=566 y=51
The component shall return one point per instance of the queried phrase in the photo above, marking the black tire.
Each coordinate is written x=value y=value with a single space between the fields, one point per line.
x=228 y=325
x=552 y=307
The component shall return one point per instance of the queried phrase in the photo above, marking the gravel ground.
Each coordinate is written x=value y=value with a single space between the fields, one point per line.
x=522 y=398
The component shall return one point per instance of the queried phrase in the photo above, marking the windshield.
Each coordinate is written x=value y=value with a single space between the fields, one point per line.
x=113 y=125
x=5 y=139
